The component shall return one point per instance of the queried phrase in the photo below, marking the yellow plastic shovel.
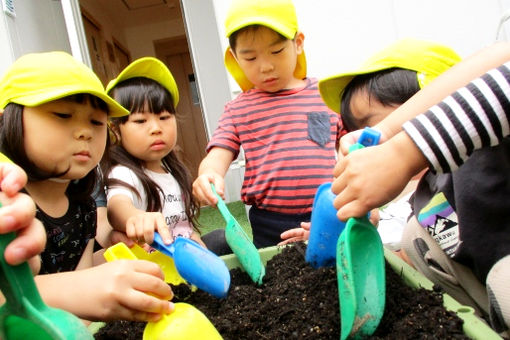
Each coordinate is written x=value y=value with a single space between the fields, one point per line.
x=121 y=251
x=185 y=322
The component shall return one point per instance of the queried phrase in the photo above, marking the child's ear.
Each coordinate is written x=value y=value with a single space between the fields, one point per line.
x=231 y=51
x=299 y=41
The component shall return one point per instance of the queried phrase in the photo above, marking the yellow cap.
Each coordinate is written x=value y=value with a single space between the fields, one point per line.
x=427 y=58
x=278 y=15
x=151 y=68
x=38 y=78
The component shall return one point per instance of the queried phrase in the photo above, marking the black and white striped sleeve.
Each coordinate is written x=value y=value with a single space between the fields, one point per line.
x=474 y=117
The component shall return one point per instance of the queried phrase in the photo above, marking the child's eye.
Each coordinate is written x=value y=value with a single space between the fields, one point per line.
x=97 y=122
x=139 y=121
x=280 y=50
x=250 y=59
x=62 y=115
x=165 y=117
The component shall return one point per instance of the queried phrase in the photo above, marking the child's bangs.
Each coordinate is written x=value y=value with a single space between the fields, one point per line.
x=83 y=98
x=144 y=95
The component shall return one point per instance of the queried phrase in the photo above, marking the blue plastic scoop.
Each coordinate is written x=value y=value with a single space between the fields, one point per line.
x=197 y=265
x=324 y=230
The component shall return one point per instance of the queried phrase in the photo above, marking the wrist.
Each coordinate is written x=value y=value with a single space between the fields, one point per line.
x=411 y=156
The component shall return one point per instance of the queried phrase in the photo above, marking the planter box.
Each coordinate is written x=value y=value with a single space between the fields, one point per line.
x=473 y=326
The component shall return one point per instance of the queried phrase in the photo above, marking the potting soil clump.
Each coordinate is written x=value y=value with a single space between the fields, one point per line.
x=297 y=301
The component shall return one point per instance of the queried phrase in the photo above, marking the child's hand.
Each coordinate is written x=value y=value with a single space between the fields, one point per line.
x=202 y=188
x=141 y=227
x=296 y=234
x=371 y=177
x=18 y=215
x=123 y=289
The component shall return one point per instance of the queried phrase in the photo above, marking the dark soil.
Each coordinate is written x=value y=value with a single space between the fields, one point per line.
x=299 y=302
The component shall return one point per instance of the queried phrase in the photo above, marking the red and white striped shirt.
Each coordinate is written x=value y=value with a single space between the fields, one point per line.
x=289 y=139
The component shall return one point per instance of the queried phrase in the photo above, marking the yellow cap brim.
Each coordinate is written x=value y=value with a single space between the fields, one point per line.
x=151 y=68
x=237 y=73
x=428 y=59
x=36 y=99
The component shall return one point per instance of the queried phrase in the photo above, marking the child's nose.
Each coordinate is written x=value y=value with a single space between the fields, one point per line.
x=266 y=66
x=83 y=132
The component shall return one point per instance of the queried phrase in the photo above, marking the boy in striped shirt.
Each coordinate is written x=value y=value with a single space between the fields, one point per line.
x=288 y=135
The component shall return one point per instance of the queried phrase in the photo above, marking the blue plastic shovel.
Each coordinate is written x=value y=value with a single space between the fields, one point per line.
x=325 y=225
x=325 y=229
x=197 y=265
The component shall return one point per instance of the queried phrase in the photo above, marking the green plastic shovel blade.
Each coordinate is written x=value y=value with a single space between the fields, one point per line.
x=361 y=278
x=24 y=315
x=240 y=243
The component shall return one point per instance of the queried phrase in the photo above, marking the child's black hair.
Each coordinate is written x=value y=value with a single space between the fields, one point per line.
x=13 y=146
x=232 y=39
x=137 y=95
x=390 y=87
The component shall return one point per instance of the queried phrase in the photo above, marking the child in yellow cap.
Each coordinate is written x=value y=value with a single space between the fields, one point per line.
x=287 y=134
x=54 y=125
x=459 y=234
x=149 y=187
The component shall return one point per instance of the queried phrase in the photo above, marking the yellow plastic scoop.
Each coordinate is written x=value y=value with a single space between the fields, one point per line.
x=121 y=251
x=185 y=322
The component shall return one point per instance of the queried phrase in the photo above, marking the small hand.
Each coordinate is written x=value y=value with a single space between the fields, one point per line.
x=141 y=227
x=296 y=234
x=202 y=188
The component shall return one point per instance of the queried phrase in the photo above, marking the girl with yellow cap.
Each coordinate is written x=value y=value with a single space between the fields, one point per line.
x=53 y=125
x=149 y=187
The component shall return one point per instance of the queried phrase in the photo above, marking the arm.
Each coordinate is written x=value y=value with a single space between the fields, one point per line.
x=212 y=170
x=136 y=223
x=472 y=118
x=128 y=290
x=454 y=78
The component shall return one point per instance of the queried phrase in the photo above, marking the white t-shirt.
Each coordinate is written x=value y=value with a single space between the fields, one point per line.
x=173 y=207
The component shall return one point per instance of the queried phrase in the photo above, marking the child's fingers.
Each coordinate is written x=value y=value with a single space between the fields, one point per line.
x=13 y=178
x=29 y=242
x=163 y=229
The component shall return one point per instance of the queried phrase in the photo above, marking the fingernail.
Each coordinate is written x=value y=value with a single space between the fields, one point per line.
x=17 y=255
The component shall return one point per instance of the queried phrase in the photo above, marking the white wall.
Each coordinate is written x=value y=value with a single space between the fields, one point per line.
x=341 y=34
x=38 y=26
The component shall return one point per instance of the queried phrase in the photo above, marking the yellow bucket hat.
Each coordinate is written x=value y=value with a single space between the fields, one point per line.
x=427 y=58
x=278 y=15
x=38 y=78
x=151 y=68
